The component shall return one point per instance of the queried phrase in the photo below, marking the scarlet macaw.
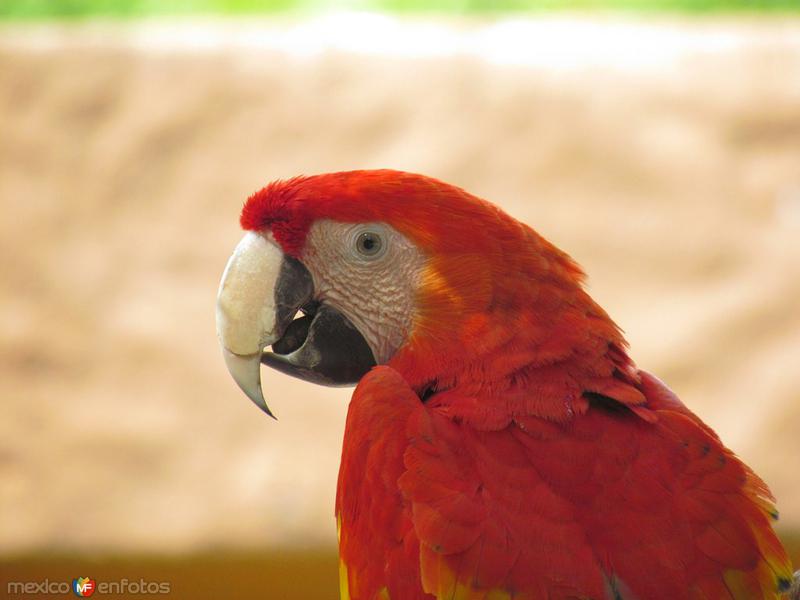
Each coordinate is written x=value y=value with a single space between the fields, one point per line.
x=500 y=443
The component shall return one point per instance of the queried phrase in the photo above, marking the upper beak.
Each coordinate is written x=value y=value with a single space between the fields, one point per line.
x=250 y=315
x=260 y=294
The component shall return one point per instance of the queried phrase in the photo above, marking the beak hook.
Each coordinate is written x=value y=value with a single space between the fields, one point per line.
x=246 y=372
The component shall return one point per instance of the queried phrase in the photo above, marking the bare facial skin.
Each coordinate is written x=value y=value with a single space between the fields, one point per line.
x=374 y=287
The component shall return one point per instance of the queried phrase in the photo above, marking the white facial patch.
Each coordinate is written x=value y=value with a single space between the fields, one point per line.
x=376 y=294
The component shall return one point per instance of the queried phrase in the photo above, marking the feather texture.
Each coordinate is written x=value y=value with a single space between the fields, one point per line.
x=511 y=449
x=607 y=505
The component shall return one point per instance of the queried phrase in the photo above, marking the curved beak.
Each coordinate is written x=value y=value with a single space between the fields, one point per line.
x=249 y=314
x=260 y=294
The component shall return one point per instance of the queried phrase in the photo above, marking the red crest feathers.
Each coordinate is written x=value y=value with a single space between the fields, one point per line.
x=274 y=207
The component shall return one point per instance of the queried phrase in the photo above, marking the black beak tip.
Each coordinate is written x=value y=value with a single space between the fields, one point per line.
x=268 y=412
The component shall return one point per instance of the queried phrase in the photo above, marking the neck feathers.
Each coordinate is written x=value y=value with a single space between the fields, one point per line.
x=501 y=337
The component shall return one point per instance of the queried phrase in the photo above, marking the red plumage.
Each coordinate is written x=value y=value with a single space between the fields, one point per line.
x=542 y=463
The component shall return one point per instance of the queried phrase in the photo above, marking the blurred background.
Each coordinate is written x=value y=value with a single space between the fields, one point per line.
x=657 y=141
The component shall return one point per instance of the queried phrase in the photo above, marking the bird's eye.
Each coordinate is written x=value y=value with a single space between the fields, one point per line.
x=369 y=244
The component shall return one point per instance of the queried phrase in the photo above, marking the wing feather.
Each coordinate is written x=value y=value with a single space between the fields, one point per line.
x=606 y=505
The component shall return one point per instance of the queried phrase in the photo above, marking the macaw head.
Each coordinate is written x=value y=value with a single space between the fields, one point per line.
x=340 y=272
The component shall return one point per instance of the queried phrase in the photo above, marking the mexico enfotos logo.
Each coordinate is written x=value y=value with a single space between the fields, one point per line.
x=83 y=587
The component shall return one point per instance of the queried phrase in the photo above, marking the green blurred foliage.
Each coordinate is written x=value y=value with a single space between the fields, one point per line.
x=34 y=9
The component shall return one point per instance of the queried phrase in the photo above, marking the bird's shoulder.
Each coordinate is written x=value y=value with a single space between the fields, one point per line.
x=612 y=503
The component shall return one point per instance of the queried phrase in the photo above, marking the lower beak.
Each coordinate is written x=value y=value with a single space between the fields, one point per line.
x=260 y=294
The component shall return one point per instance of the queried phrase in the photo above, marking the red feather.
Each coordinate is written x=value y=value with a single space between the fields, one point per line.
x=606 y=503
x=542 y=463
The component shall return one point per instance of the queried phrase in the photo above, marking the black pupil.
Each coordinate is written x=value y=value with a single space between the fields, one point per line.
x=369 y=243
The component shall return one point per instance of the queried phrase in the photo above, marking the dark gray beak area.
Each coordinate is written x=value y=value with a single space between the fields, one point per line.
x=322 y=347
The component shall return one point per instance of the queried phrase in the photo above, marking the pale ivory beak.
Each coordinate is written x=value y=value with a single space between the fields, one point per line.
x=261 y=292
x=246 y=311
